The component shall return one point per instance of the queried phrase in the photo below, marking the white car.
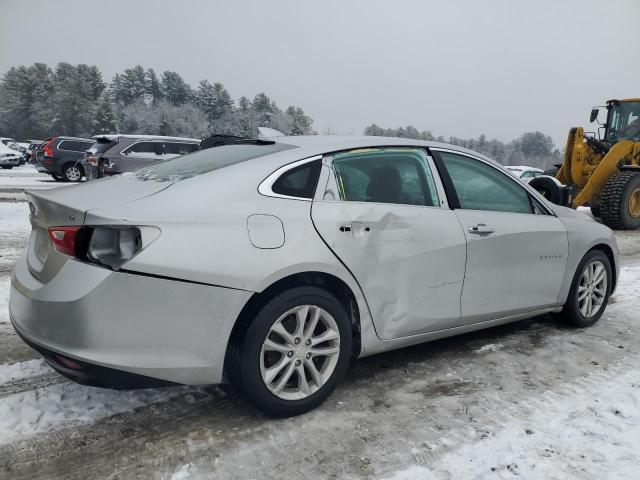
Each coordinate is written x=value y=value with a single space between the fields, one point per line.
x=9 y=158
x=524 y=172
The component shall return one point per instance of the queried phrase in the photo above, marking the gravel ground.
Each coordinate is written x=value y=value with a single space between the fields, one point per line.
x=532 y=399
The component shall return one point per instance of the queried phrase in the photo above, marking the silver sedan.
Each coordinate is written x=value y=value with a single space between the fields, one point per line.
x=274 y=263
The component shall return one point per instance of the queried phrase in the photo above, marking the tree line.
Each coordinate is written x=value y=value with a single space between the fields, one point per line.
x=531 y=148
x=38 y=101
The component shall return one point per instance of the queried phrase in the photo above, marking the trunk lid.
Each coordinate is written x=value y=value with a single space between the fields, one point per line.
x=67 y=206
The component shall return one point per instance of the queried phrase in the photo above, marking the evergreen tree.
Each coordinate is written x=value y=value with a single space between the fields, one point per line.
x=104 y=120
x=132 y=85
x=174 y=88
x=213 y=100
x=300 y=123
x=74 y=99
x=153 y=87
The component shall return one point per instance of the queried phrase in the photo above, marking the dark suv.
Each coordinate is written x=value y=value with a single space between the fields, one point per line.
x=61 y=157
x=114 y=154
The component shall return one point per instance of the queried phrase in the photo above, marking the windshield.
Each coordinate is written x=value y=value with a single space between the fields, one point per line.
x=624 y=123
x=203 y=161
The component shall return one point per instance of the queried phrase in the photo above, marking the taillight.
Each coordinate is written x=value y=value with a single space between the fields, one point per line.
x=107 y=246
x=64 y=239
x=110 y=247
x=47 y=149
x=92 y=160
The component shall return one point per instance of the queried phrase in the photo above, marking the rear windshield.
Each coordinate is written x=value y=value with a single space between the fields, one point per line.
x=101 y=146
x=204 y=161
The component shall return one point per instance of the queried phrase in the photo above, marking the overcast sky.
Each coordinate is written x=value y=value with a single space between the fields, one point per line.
x=459 y=68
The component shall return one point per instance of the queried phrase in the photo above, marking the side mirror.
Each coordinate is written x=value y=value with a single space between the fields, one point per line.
x=594 y=115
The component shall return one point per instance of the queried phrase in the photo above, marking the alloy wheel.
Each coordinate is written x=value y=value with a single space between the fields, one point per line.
x=300 y=352
x=592 y=289
x=73 y=174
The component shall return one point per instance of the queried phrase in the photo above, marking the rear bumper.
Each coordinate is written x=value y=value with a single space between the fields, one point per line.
x=95 y=375
x=125 y=330
x=9 y=162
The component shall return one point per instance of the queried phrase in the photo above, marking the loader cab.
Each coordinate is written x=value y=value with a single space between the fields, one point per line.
x=623 y=120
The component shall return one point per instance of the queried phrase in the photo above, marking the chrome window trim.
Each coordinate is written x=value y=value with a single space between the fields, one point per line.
x=514 y=179
x=266 y=186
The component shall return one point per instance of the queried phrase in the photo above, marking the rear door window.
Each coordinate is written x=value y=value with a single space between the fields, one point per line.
x=386 y=175
x=141 y=150
x=178 y=148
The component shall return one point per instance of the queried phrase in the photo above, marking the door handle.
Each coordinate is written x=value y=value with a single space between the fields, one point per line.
x=356 y=227
x=481 y=229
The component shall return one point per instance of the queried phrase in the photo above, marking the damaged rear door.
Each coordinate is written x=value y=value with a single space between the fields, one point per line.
x=384 y=215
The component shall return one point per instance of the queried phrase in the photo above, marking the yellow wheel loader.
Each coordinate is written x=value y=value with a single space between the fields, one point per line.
x=602 y=172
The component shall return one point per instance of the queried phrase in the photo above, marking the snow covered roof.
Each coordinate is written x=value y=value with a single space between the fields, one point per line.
x=522 y=168
x=117 y=136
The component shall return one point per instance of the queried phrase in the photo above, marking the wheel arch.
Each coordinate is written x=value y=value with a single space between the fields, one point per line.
x=327 y=281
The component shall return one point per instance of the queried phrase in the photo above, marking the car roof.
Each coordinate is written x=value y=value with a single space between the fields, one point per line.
x=310 y=145
x=116 y=137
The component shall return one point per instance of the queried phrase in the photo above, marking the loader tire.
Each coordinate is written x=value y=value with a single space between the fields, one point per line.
x=552 y=172
x=620 y=201
x=595 y=211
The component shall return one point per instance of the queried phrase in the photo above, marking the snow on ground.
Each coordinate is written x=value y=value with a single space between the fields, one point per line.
x=67 y=405
x=22 y=370
x=14 y=232
x=24 y=177
x=5 y=283
x=590 y=431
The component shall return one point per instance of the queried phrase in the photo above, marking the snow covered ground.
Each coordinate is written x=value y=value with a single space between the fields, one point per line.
x=24 y=177
x=530 y=400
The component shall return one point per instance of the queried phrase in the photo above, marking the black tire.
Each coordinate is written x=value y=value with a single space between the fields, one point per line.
x=245 y=352
x=595 y=210
x=57 y=178
x=571 y=313
x=69 y=175
x=548 y=188
x=7 y=167
x=614 y=201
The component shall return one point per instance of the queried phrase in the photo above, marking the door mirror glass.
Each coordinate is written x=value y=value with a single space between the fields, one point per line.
x=594 y=115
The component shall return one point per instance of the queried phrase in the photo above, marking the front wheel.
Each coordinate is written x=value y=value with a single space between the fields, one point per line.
x=294 y=352
x=590 y=290
x=7 y=167
x=620 y=201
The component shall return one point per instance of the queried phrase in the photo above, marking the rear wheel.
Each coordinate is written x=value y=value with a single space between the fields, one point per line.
x=590 y=290
x=7 y=167
x=57 y=178
x=620 y=201
x=72 y=172
x=294 y=352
